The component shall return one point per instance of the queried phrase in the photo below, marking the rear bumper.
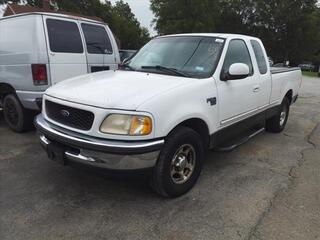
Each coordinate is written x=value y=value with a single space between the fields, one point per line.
x=101 y=153
x=30 y=100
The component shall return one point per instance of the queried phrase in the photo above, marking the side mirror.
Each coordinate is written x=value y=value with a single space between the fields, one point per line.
x=237 y=71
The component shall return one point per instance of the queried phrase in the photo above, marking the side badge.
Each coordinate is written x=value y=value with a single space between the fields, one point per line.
x=212 y=101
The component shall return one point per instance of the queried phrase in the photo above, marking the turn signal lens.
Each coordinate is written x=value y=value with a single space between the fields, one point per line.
x=122 y=124
x=140 y=125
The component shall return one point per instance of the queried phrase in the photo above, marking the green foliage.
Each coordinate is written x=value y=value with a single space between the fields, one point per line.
x=310 y=74
x=183 y=16
x=120 y=18
x=87 y=7
x=289 y=28
x=37 y=3
x=127 y=28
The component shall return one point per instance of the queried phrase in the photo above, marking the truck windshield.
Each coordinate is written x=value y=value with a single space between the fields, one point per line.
x=181 y=56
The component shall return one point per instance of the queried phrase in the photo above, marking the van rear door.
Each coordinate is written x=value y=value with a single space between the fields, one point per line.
x=100 y=52
x=67 y=56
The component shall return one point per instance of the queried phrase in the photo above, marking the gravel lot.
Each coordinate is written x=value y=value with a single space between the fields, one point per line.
x=267 y=188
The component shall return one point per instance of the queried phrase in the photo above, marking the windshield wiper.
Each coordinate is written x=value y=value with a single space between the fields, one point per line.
x=126 y=65
x=172 y=70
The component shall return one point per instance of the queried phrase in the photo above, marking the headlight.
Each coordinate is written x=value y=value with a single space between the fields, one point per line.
x=123 y=124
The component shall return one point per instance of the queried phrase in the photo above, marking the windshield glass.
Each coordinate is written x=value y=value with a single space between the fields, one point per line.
x=190 y=56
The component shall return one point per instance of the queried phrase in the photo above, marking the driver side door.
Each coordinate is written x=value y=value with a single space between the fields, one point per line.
x=238 y=98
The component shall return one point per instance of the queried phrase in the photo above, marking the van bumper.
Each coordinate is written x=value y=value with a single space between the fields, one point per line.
x=30 y=100
x=65 y=146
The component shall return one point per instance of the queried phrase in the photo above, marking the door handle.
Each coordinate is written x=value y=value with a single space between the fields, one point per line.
x=256 y=89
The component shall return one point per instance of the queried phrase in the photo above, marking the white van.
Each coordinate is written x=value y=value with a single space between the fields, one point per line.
x=38 y=50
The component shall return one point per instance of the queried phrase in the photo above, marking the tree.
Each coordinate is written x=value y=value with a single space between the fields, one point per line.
x=36 y=3
x=182 y=16
x=89 y=8
x=127 y=27
x=289 y=28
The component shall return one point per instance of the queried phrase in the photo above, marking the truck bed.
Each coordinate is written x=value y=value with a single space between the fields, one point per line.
x=284 y=78
x=275 y=70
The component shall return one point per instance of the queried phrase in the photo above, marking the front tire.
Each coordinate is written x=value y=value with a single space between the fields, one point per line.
x=277 y=123
x=18 y=119
x=179 y=164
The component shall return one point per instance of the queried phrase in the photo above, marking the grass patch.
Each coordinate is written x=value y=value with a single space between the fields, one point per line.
x=309 y=74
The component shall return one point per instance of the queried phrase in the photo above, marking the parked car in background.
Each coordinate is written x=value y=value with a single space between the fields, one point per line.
x=38 y=50
x=306 y=67
x=126 y=54
x=177 y=97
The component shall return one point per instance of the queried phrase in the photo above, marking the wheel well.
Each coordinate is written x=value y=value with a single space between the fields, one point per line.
x=199 y=126
x=5 y=89
x=289 y=95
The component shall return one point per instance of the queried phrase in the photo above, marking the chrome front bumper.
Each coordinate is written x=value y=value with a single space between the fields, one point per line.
x=96 y=152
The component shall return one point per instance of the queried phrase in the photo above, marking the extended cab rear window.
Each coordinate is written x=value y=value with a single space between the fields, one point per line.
x=64 y=36
x=97 y=39
x=261 y=60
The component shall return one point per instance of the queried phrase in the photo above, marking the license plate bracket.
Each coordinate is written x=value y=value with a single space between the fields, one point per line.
x=56 y=153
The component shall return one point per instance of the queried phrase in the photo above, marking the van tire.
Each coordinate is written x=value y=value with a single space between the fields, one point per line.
x=16 y=116
x=277 y=123
x=162 y=180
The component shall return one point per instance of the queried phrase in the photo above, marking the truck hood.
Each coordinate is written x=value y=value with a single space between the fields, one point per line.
x=115 y=89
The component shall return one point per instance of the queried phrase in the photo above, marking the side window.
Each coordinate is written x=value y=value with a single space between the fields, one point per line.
x=237 y=53
x=64 y=36
x=261 y=60
x=97 y=39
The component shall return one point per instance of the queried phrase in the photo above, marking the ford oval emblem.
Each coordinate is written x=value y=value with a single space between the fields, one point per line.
x=65 y=113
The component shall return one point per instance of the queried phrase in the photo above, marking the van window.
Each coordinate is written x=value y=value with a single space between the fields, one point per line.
x=64 y=36
x=97 y=39
x=261 y=60
x=237 y=53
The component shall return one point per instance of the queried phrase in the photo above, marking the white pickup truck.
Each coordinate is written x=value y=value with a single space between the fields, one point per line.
x=177 y=97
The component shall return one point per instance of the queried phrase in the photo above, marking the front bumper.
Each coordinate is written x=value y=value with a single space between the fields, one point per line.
x=97 y=152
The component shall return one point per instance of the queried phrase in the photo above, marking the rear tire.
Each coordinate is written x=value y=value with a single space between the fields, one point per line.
x=179 y=164
x=277 y=123
x=16 y=116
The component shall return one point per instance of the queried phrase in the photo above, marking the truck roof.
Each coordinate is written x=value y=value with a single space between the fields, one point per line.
x=69 y=16
x=219 y=35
